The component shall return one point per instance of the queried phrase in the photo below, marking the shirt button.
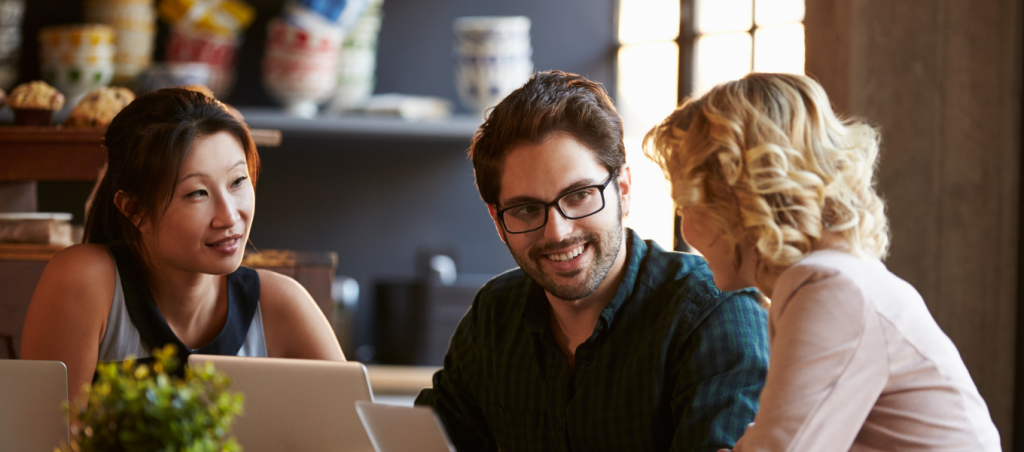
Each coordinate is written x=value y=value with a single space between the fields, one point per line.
x=585 y=365
x=559 y=424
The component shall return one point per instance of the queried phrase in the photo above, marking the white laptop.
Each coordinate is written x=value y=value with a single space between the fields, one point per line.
x=31 y=394
x=296 y=404
x=403 y=429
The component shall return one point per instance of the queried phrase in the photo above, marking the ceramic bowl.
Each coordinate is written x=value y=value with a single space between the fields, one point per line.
x=284 y=36
x=12 y=12
x=9 y=71
x=76 y=81
x=167 y=75
x=357 y=62
x=495 y=34
x=216 y=51
x=76 y=59
x=299 y=81
x=300 y=66
x=135 y=23
x=482 y=85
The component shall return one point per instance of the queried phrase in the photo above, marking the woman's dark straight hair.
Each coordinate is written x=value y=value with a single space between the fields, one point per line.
x=147 y=143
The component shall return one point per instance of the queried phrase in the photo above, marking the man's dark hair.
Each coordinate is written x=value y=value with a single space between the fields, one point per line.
x=549 y=102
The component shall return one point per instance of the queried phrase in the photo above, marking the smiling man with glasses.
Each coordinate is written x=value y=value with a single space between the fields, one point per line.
x=600 y=340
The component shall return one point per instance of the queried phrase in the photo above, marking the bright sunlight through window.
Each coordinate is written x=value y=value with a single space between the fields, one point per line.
x=648 y=77
x=733 y=37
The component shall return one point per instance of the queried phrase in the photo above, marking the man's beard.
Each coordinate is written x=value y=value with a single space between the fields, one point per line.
x=605 y=247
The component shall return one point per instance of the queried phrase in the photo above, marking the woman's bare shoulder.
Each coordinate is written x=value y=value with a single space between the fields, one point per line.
x=280 y=291
x=294 y=324
x=84 y=265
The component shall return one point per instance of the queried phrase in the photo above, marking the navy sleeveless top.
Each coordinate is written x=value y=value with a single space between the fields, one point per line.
x=135 y=325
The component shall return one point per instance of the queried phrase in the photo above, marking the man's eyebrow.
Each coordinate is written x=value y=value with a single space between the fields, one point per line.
x=516 y=200
x=199 y=174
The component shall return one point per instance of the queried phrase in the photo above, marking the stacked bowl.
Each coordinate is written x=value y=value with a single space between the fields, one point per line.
x=357 y=61
x=209 y=33
x=76 y=59
x=135 y=24
x=300 y=65
x=11 y=13
x=217 y=52
x=493 y=58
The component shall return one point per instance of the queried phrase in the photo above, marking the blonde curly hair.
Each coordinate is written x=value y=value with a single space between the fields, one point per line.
x=770 y=165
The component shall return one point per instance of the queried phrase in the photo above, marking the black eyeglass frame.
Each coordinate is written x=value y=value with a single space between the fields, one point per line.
x=547 y=205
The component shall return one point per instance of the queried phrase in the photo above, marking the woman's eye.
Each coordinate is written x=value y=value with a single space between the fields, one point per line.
x=196 y=194
x=238 y=181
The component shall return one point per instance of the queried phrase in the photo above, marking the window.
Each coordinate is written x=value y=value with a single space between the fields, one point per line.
x=672 y=48
x=731 y=37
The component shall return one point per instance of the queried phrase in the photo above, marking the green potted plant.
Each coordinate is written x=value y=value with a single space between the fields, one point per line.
x=136 y=407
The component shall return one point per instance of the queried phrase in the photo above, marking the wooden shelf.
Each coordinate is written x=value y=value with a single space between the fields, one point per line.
x=458 y=128
x=65 y=154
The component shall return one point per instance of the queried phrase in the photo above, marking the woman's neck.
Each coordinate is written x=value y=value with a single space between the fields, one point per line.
x=193 y=304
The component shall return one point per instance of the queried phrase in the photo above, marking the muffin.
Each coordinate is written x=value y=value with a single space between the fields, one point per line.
x=99 y=107
x=34 y=103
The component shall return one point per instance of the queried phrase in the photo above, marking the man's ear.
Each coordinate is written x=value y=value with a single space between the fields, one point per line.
x=123 y=203
x=625 y=188
x=493 y=210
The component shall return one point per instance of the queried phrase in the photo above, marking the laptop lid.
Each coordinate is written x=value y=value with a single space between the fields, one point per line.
x=296 y=404
x=402 y=429
x=31 y=394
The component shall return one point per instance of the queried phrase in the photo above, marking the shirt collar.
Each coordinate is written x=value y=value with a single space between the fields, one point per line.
x=537 y=309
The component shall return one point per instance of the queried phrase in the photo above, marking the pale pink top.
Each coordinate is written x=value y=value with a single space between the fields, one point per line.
x=857 y=363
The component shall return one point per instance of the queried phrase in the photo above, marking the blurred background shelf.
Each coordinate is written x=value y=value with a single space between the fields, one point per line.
x=458 y=127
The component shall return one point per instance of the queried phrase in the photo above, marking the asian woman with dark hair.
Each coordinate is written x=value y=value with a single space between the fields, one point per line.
x=163 y=247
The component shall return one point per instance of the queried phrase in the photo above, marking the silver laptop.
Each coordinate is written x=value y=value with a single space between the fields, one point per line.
x=296 y=404
x=403 y=429
x=31 y=394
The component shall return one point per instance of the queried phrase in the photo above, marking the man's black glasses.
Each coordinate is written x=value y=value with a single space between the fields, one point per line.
x=579 y=203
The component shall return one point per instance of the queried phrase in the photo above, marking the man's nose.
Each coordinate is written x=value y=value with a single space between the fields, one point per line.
x=558 y=227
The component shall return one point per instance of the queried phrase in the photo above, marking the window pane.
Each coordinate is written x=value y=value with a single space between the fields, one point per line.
x=779 y=49
x=719 y=58
x=647 y=84
x=777 y=12
x=720 y=16
x=648 y=21
x=651 y=210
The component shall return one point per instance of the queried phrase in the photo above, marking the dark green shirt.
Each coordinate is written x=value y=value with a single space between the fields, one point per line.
x=673 y=364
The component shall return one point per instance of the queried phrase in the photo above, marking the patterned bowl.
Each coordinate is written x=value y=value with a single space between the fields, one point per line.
x=300 y=66
x=218 y=52
x=77 y=59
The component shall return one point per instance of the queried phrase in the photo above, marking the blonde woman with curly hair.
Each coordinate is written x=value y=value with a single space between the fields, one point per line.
x=777 y=192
